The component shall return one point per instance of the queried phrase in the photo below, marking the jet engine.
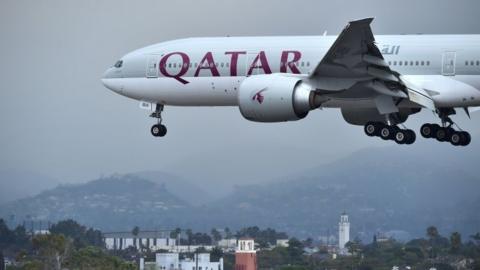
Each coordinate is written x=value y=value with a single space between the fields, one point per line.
x=275 y=98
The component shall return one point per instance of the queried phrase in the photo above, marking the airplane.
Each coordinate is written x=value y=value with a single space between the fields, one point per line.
x=377 y=82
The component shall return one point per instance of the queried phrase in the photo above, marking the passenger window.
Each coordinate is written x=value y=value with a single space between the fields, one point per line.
x=394 y=63
x=416 y=63
x=406 y=63
x=411 y=63
x=472 y=63
x=228 y=64
x=478 y=63
x=428 y=63
x=303 y=64
x=422 y=63
x=400 y=63
x=466 y=63
x=169 y=65
x=389 y=63
x=196 y=65
x=308 y=64
x=222 y=64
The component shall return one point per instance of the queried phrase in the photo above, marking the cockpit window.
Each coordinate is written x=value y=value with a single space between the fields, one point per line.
x=118 y=64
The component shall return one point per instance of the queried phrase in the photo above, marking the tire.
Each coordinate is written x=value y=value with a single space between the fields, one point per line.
x=400 y=136
x=411 y=136
x=466 y=138
x=388 y=132
x=427 y=131
x=371 y=129
x=163 y=131
x=457 y=138
x=155 y=130
x=441 y=134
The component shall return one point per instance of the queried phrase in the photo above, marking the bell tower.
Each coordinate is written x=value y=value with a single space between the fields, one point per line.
x=343 y=232
x=245 y=255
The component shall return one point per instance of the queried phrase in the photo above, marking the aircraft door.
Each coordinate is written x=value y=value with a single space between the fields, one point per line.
x=152 y=66
x=448 y=63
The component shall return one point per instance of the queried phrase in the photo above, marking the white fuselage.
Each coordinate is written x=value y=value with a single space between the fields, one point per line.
x=209 y=71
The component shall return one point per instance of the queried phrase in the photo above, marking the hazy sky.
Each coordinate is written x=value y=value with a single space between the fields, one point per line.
x=58 y=119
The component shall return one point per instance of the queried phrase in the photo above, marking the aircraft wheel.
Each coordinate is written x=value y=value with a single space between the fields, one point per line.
x=441 y=134
x=465 y=138
x=401 y=136
x=387 y=132
x=372 y=129
x=457 y=138
x=158 y=130
x=427 y=131
x=411 y=136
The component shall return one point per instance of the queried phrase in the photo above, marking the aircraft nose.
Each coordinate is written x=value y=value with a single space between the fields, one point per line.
x=111 y=81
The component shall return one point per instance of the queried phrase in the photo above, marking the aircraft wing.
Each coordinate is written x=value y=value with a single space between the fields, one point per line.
x=355 y=57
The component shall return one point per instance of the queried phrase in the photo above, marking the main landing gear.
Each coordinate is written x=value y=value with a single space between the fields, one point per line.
x=446 y=132
x=387 y=132
x=158 y=130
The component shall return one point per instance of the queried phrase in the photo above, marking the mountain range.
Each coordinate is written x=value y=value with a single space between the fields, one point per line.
x=393 y=190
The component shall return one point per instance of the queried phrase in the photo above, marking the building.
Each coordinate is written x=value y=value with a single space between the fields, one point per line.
x=282 y=243
x=245 y=255
x=201 y=261
x=153 y=240
x=227 y=244
x=343 y=233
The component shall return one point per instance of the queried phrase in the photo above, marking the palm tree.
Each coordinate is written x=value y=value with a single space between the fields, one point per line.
x=455 y=242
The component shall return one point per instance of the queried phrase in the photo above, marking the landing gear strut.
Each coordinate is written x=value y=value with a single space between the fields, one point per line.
x=387 y=132
x=446 y=132
x=158 y=130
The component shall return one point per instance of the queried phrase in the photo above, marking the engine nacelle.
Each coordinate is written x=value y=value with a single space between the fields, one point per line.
x=275 y=98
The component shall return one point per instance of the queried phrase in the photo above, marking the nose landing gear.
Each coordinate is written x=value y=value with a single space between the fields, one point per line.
x=158 y=130
x=386 y=132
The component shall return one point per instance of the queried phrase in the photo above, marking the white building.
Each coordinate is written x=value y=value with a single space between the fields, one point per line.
x=343 y=233
x=152 y=240
x=282 y=243
x=201 y=261
x=227 y=244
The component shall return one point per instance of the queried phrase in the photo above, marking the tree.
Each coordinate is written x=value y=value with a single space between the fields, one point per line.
x=189 y=236
x=2 y=261
x=476 y=238
x=175 y=233
x=216 y=235
x=228 y=233
x=295 y=250
x=135 y=231
x=432 y=232
x=81 y=236
x=52 y=249
x=455 y=242
x=216 y=253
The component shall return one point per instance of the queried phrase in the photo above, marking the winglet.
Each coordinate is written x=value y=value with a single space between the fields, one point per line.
x=367 y=21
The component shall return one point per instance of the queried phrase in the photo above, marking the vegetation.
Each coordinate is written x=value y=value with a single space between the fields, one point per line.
x=264 y=238
x=434 y=251
x=67 y=246
x=73 y=246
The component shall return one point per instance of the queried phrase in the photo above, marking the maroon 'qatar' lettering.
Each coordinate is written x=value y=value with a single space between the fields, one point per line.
x=183 y=71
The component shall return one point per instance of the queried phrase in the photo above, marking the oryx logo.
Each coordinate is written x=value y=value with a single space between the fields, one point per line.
x=258 y=96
